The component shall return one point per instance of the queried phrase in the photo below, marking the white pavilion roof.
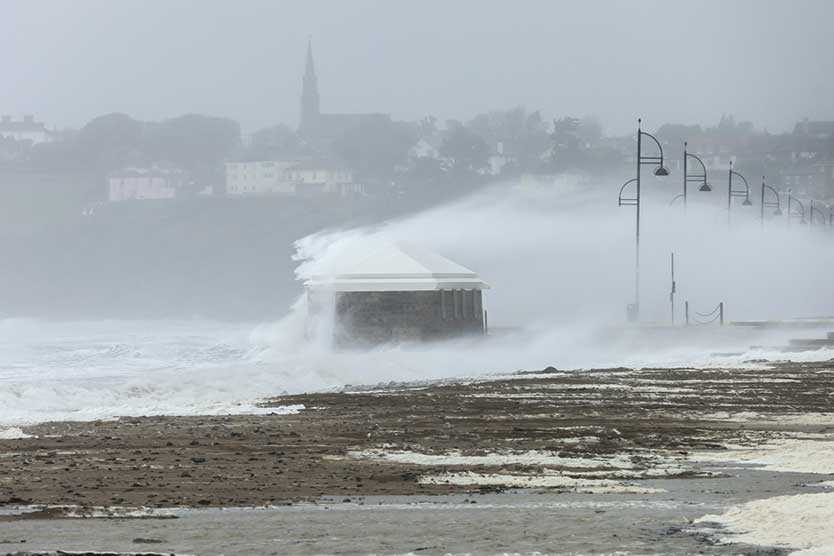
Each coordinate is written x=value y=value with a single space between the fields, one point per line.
x=400 y=267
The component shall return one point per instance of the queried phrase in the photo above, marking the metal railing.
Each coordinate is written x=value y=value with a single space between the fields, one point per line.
x=697 y=318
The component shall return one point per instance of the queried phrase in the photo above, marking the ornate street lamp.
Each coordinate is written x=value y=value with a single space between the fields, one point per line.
x=660 y=170
x=633 y=202
x=627 y=201
x=811 y=213
x=800 y=213
x=731 y=192
x=693 y=178
x=777 y=204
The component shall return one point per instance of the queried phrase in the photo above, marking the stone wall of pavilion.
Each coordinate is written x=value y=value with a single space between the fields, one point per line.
x=368 y=318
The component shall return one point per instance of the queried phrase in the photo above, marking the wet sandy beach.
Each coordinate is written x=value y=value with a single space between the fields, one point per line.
x=608 y=460
x=525 y=522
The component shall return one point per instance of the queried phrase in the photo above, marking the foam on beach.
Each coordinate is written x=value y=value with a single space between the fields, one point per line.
x=795 y=452
x=801 y=521
x=530 y=458
x=595 y=475
x=549 y=480
x=12 y=433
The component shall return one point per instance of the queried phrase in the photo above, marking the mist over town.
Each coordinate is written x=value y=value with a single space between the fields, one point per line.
x=373 y=277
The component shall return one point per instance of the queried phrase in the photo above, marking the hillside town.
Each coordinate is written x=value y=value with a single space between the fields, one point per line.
x=334 y=154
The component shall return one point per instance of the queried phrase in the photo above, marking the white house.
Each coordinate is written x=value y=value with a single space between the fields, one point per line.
x=27 y=130
x=145 y=183
x=322 y=177
x=261 y=177
x=291 y=177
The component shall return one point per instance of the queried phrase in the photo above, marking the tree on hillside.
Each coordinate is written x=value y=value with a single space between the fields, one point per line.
x=111 y=141
x=192 y=141
x=727 y=126
x=111 y=130
x=677 y=133
x=427 y=127
x=275 y=142
x=575 y=147
x=534 y=141
x=521 y=135
x=589 y=130
x=199 y=144
x=374 y=148
x=466 y=150
x=564 y=134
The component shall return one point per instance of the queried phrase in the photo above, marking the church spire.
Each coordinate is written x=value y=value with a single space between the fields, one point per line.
x=309 y=92
x=310 y=69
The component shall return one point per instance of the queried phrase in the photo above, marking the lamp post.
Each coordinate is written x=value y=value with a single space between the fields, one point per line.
x=635 y=202
x=777 y=204
x=660 y=170
x=696 y=178
x=811 y=213
x=736 y=192
x=801 y=213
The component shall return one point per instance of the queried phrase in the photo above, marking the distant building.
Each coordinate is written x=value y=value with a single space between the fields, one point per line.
x=322 y=177
x=812 y=140
x=27 y=130
x=145 y=183
x=816 y=179
x=814 y=129
x=400 y=293
x=290 y=177
x=258 y=178
x=321 y=128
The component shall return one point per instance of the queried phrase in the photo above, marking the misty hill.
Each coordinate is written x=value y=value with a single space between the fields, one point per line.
x=209 y=257
x=215 y=257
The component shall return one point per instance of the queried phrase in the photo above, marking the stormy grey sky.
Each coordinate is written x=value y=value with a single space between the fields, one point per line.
x=767 y=61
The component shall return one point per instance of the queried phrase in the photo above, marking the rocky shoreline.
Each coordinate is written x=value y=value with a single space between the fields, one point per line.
x=594 y=432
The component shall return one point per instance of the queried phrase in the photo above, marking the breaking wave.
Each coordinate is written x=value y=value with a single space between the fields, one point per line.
x=558 y=257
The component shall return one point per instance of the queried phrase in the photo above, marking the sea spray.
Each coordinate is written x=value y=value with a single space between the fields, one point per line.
x=560 y=261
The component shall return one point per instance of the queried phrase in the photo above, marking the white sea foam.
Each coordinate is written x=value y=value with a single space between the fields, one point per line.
x=801 y=521
x=100 y=370
x=12 y=433
x=801 y=453
x=539 y=480
x=791 y=419
x=498 y=459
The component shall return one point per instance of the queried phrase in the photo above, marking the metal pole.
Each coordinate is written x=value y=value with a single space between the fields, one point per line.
x=763 y=199
x=684 y=176
x=721 y=313
x=729 y=191
x=672 y=292
x=637 y=236
x=790 y=197
x=686 y=311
